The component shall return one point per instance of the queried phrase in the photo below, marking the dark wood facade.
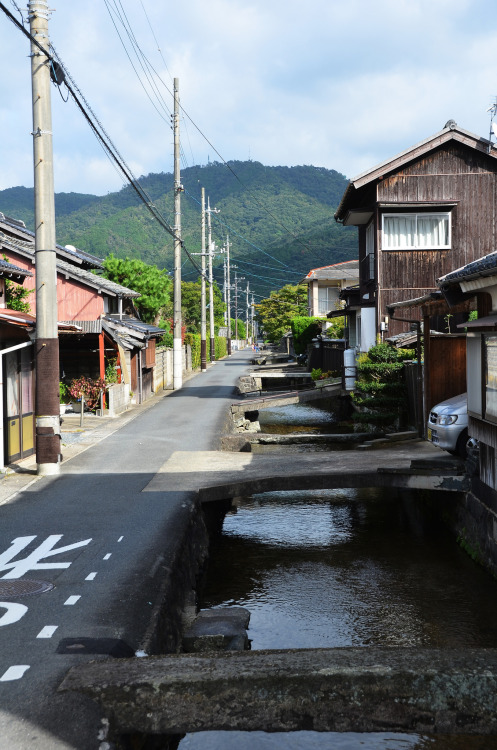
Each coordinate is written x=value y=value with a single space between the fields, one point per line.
x=452 y=172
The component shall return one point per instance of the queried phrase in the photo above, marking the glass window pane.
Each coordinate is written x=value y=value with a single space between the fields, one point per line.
x=398 y=232
x=491 y=377
x=12 y=384
x=433 y=231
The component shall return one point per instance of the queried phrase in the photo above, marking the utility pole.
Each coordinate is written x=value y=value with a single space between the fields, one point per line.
x=211 y=280
x=247 y=336
x=224 y=288
x=177 y=338
x=47 y=342
x=203 y=316
x=228 y=294
x=252 y=324
x=237 y=279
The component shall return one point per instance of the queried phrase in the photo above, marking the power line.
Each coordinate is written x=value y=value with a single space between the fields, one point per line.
x=100 y=132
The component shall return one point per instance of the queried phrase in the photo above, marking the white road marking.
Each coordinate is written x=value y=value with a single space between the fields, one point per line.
x=13 y=614
x=47 y=631
x=107 y=555
x=14 y=673
x=32 y=561
x=72 y=600
x=91 y=577
x=120 y=539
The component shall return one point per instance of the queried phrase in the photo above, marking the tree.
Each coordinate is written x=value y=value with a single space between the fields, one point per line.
x=153 y=284
x=16 y=295
x=276 y=311
x=238 y=327
x=191 y=305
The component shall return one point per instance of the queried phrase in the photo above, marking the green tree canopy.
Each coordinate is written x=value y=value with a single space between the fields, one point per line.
x=153 y=284
x=276 y=311
x=190 y=305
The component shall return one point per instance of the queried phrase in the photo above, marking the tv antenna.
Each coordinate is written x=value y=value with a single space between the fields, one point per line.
x=493 y=125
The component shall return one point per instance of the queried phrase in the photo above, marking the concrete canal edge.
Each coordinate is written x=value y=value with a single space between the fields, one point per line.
x=326 y=690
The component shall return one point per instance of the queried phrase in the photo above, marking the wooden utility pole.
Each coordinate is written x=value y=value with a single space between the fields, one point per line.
x=47 y=343
x=177 y=338
x=203 y=316
x=228 y=294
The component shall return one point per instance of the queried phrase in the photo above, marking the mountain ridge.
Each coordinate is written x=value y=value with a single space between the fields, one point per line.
x=277 y=216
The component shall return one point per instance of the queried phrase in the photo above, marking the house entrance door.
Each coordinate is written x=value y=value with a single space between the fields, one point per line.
x=19 y=405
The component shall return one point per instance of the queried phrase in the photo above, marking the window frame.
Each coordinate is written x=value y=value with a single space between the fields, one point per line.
x=416 y=214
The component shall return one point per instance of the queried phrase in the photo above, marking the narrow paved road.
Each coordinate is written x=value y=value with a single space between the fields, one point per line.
x=98 y=538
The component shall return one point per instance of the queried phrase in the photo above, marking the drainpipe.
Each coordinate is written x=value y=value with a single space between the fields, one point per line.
x=419 y=381
x=2 y=352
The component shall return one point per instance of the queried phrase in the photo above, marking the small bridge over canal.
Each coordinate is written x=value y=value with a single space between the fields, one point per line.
x=218 y=475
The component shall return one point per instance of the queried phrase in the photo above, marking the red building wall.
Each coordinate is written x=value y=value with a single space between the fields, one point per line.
x=75 y=300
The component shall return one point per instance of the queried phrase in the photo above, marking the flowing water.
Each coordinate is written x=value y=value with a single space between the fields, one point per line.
x=347 y=568
x=316 y=418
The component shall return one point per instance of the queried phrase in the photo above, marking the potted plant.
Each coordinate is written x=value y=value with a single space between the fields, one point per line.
x=64 y=397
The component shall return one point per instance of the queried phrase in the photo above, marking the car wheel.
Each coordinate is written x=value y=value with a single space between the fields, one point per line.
x=461 y=444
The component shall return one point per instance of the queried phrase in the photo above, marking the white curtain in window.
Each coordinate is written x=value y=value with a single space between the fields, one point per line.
x=327 y=297
x=432 y=231
x=399 y=231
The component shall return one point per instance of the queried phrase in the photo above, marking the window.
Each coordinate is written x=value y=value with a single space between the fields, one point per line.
x=491 y=377
x=416 y=231
x=370 y=252
x=327 y=299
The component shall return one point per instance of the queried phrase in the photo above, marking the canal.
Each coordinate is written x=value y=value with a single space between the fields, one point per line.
x=343 y=568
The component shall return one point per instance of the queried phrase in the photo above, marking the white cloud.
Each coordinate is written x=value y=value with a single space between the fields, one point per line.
x=341 y=85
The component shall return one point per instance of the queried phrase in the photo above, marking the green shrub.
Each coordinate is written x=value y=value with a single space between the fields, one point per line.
x=304 y=329
x=194 y=340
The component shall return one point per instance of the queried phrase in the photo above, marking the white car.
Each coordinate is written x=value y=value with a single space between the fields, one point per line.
x=448 y=425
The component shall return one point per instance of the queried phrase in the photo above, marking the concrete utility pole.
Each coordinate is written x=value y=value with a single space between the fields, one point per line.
x=203 y=316
x=211 y=280
x=47 y=342
x=247 y=332
x=177 y=338
x=228 y=294
x=252 y=323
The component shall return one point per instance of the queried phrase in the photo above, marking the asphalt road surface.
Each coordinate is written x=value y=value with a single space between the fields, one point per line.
x=96 y=537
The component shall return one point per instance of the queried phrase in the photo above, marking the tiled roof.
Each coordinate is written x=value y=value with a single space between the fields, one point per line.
x=485 y=266
x=68 y=251
x=348 y=269
x=9 y=269
x=98 y=282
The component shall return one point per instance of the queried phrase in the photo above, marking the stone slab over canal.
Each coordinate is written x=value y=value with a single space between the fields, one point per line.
x=325 y=690
x=219 y=475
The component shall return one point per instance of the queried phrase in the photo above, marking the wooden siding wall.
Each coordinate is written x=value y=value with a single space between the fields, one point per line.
x=450 y=174
x=447 y=368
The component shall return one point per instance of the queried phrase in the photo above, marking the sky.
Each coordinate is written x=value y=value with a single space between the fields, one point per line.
x=341 y=85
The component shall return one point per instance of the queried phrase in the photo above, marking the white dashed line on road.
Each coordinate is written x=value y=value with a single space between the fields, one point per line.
x=91 y=577
x=14 y=673
x=47 y=631
x=72 y=600
x=120 y=539
x=107 y=555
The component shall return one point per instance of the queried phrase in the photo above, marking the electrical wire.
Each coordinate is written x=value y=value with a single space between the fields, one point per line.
x=101 y=134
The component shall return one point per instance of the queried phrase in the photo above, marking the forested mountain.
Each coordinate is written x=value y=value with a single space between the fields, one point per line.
x=279 y=219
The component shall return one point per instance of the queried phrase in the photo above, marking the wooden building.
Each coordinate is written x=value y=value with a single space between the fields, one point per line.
x=420 y=214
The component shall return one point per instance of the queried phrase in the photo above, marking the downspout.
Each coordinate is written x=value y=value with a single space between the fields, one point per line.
x=2 y=352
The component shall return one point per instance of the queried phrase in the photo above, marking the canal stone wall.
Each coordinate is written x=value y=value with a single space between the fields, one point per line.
x=326 y=690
